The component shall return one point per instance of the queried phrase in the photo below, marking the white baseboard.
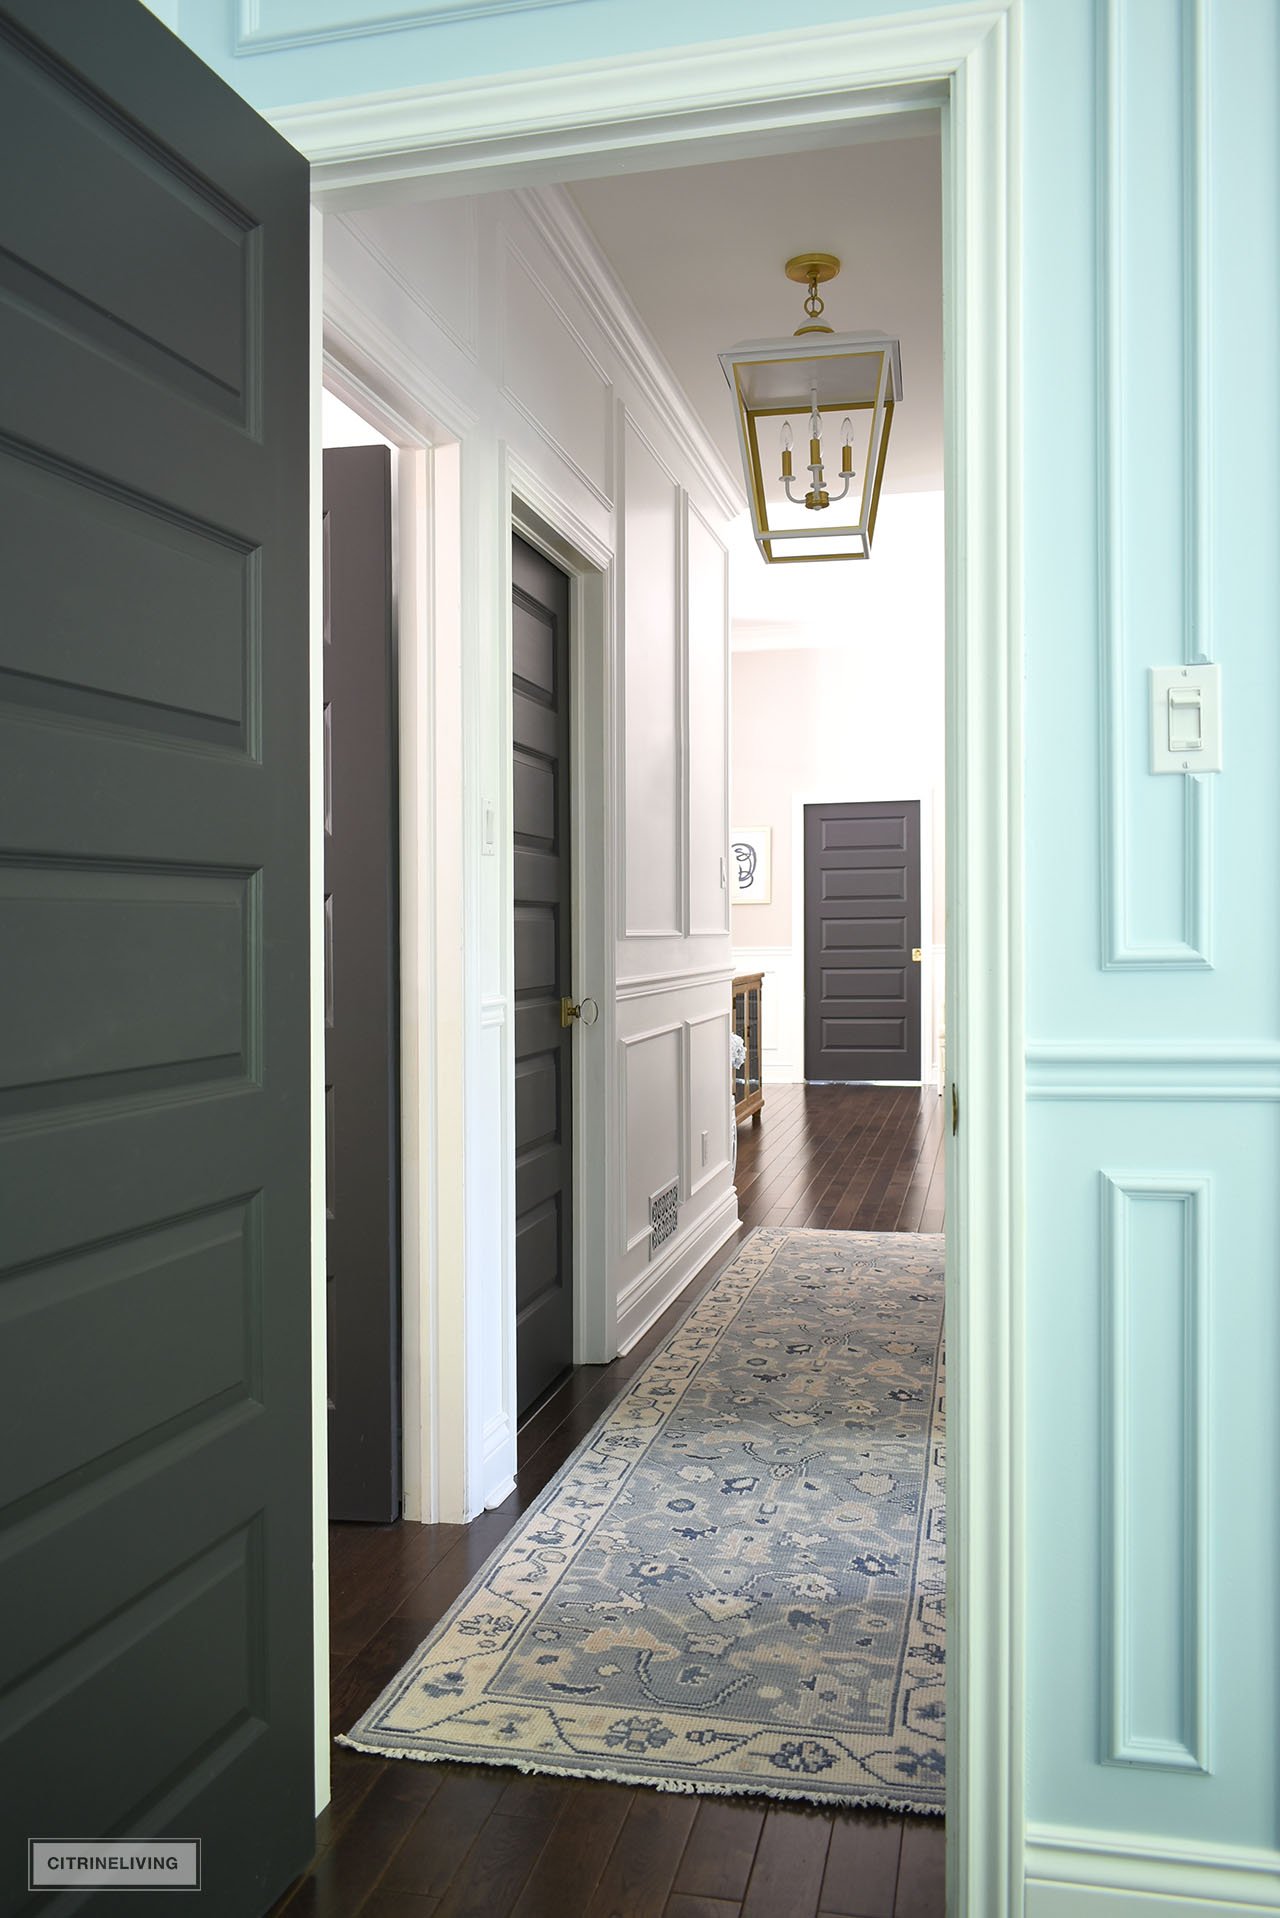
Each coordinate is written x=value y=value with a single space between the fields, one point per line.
x=1092 y=1874
x=648 y=1296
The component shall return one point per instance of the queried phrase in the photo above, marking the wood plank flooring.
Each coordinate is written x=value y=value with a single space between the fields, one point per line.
x=406 y=1840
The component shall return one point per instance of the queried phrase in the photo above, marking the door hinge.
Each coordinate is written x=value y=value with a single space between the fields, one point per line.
x=955 y=1110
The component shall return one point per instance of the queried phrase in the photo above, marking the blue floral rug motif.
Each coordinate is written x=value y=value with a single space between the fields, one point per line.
x=736 y=1584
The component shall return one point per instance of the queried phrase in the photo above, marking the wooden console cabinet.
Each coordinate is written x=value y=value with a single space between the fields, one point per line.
x=748 y=1080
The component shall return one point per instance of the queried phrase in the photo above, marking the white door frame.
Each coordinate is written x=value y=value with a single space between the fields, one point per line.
x=800 y=89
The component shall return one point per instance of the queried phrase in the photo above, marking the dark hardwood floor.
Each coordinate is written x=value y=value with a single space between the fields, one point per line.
x=407 y=1840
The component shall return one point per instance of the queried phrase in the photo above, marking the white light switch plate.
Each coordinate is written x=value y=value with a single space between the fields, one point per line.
x=1186 y=719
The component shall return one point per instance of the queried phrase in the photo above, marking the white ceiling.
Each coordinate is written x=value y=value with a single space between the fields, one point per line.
x=701 y=250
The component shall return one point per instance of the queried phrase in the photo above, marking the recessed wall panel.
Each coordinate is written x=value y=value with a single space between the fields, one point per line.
x=707 y=728
x=653 y=820
x=551 y=376
x=653 y=1121
x=709 y=1105
x=432 y=252
x=1155 y=1426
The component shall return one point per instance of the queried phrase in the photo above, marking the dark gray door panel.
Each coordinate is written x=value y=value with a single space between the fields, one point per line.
x=155 y=1462
x=543 y=973
x=362 y=1267
x=862 y=926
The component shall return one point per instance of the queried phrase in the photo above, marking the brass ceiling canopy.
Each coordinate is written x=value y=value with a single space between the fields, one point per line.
x=813 y=270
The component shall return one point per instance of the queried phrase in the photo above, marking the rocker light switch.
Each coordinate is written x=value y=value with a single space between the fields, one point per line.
x=1186 y=719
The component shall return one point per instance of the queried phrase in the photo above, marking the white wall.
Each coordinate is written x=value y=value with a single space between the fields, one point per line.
x=838 y=696
x=502 y=335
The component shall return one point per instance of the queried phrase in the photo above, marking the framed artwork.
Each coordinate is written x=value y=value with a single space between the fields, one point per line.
x=752 y=866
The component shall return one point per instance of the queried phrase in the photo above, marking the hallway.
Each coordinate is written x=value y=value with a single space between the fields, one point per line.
x=404 y=1840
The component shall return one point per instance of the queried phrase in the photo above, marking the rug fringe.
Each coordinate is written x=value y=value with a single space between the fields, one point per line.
x=699 y=1788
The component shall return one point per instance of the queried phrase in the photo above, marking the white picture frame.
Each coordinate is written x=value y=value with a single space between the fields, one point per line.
x=751 y=865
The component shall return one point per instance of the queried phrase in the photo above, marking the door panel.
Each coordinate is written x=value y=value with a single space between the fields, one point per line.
x=543 y=973
x=862 y=922
x=361 y=1091
x=155 y=1315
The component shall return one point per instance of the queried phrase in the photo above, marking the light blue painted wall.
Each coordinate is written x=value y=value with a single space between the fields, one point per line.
x=1116 y=581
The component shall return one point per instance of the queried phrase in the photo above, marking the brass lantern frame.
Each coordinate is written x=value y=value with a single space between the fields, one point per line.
x=749 y=370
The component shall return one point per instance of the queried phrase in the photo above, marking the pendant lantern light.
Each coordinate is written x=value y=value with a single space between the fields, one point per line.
x=832 y=394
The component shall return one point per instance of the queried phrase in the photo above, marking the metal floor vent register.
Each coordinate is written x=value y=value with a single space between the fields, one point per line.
x=663 y=1207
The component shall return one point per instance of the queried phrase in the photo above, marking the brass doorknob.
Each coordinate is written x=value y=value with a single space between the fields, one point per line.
x=586 y=1010
x=917 y=953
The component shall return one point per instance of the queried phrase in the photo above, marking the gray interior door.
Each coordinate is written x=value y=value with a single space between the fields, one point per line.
x=861 y=930
x=155 y=1456
x=362 y=1125
x=544 y=1058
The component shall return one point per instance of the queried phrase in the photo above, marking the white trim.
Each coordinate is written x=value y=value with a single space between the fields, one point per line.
x=986 y=1181
x=530 y=126
x=651 y=984
x=1105 y=1874
x=643 y=1302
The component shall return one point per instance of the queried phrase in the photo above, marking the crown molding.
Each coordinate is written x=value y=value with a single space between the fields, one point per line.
x=577 y=252
x=480 y=127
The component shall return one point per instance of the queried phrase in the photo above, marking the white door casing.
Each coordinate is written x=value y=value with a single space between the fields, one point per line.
x=758 y=95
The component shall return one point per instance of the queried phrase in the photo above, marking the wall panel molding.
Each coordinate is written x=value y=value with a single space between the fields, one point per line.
x=267 y=26
x=1155 y=1471
x=467 y=269
x=627 y=432
x=698 y=1177
x=1096 y=1070
x=510 y=305
x=654 y=984
x=1176 y=824
x=703 y=715
x=576 y=251
x=1066 y=1864
x=627 y=1046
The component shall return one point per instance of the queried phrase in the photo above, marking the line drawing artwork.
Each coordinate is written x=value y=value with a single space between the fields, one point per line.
x=752 y=866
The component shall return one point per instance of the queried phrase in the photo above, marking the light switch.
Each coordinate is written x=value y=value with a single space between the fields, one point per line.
x=1186 y=719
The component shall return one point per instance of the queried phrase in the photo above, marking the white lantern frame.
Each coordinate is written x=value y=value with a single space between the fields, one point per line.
x=851 y=373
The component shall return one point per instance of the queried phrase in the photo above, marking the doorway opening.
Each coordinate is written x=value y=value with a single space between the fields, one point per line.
x=983 y=881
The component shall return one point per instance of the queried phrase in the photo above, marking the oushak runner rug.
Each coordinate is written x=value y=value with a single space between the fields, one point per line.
x=736 y=1583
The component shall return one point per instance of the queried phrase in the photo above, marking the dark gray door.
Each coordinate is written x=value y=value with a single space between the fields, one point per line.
x=362 y=1129
x=155 y=1395
x=861 y=931
x=544 y=1057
